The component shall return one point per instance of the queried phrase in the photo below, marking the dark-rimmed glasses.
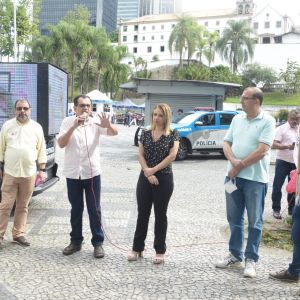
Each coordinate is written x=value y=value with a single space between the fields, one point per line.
x=84 y=105
x=19 y=108
x=244 y=98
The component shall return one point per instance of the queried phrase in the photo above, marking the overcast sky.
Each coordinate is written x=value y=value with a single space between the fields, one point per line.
x=289 y=7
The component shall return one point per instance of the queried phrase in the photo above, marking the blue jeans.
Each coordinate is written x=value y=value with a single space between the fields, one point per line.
x=250 y=195
x=294 y=267
x=92 y=189
x=282 y=171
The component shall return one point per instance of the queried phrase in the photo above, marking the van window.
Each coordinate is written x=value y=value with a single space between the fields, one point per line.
x=225 y=119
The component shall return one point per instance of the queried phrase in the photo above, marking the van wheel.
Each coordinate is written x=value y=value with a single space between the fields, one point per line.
x=182 y=151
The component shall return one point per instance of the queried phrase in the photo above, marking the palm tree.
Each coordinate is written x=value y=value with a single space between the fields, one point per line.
x=115 y=72
x=235 y=44
x=211 y=42
x=184 y=36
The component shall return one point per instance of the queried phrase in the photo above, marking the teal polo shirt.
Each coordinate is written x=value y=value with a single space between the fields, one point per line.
x=245 y=136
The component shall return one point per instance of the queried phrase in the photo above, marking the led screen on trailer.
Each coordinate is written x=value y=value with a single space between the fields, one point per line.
x=17 y=81
x=45 y=87
x=58 y=98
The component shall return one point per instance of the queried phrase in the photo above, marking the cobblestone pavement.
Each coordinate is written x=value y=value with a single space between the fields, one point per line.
x=196 y=239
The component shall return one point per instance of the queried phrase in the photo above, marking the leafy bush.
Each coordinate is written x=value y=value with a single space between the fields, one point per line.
x=282 y=115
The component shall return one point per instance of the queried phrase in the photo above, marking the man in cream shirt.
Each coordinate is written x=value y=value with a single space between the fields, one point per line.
x=22 y=143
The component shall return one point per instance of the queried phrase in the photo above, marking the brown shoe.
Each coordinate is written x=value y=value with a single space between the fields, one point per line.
x=72 y=248
x=21 y=240
x=98 y=252
x=285 y=275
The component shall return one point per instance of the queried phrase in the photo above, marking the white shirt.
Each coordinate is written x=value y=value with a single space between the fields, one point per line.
x=82 y=153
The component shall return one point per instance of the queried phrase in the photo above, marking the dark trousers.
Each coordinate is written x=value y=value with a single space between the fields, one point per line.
x=294 y=267
x=92 y=189
x=158 y=195
x=282 y=170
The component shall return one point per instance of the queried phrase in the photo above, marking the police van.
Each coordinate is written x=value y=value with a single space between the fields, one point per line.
x=200 y=131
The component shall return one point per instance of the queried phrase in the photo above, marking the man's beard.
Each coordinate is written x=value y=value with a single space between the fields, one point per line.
x=22 y=118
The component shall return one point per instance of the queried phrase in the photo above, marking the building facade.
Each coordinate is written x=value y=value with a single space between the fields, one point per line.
x=102 y=12
x=148 y=36
x=127 y=10
x=132 y=9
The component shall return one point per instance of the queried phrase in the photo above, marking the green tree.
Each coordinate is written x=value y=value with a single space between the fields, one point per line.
x=222 y=73
x=255 y=74
x=193 y=72
x=291 y=76
x=115 y=73
x=184 y=37
x=24 y=25
x=6 y=25
x=235 y=44
x=114 y=36
x=40 y=49
x=211 y=43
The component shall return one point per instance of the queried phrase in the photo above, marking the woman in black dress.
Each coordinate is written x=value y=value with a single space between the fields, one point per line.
x=157 y=149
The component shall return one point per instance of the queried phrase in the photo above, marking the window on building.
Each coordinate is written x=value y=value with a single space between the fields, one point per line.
x=134 y=49
x=240 y=10
x=152 y=37
x=255 y=25
x=143 y=38
x=162 y=48
x=161 y=37
x=125 y=28
x=247 y=9
x=206 y=23
x=217 y=23
x=94 y=107
x=136 y=27
x=278 y=24
x=144 y=28
x=267 y=24
x=162 y=27
x=278 y=39
x=153 y=27
x=124 y=38
x=106 y=108
x=135 y=38
x=266 y=40
x=149 y=49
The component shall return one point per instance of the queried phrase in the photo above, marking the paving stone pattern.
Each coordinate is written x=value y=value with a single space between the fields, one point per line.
x=197 y=237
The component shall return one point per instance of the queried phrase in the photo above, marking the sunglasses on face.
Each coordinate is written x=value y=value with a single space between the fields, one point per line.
x=19 y=108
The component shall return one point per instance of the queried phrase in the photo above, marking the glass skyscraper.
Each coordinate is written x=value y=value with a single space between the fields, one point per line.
x=128 y=9
x=102 y=12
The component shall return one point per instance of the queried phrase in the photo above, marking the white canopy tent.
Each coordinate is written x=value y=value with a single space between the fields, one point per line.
x=101 y=102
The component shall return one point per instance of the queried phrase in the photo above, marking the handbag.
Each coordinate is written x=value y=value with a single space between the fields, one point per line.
x=291 y=186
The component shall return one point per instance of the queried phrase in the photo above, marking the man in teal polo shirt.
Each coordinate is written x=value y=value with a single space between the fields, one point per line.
x=247 y=147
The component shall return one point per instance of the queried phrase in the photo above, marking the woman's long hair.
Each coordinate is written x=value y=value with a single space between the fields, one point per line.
x=167 y=117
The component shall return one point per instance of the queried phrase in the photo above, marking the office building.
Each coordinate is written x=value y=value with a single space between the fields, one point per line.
x=102 y=12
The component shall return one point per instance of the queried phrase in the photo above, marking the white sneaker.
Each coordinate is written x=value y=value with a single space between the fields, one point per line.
x=229 y=261
x=250 y=268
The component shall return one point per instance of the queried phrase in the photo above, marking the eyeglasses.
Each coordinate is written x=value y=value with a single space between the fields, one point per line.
x=84 y=105
x=19 y=108
x=244 y=98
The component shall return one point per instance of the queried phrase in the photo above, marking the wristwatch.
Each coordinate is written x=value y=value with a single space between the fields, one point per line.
x=42 y=170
